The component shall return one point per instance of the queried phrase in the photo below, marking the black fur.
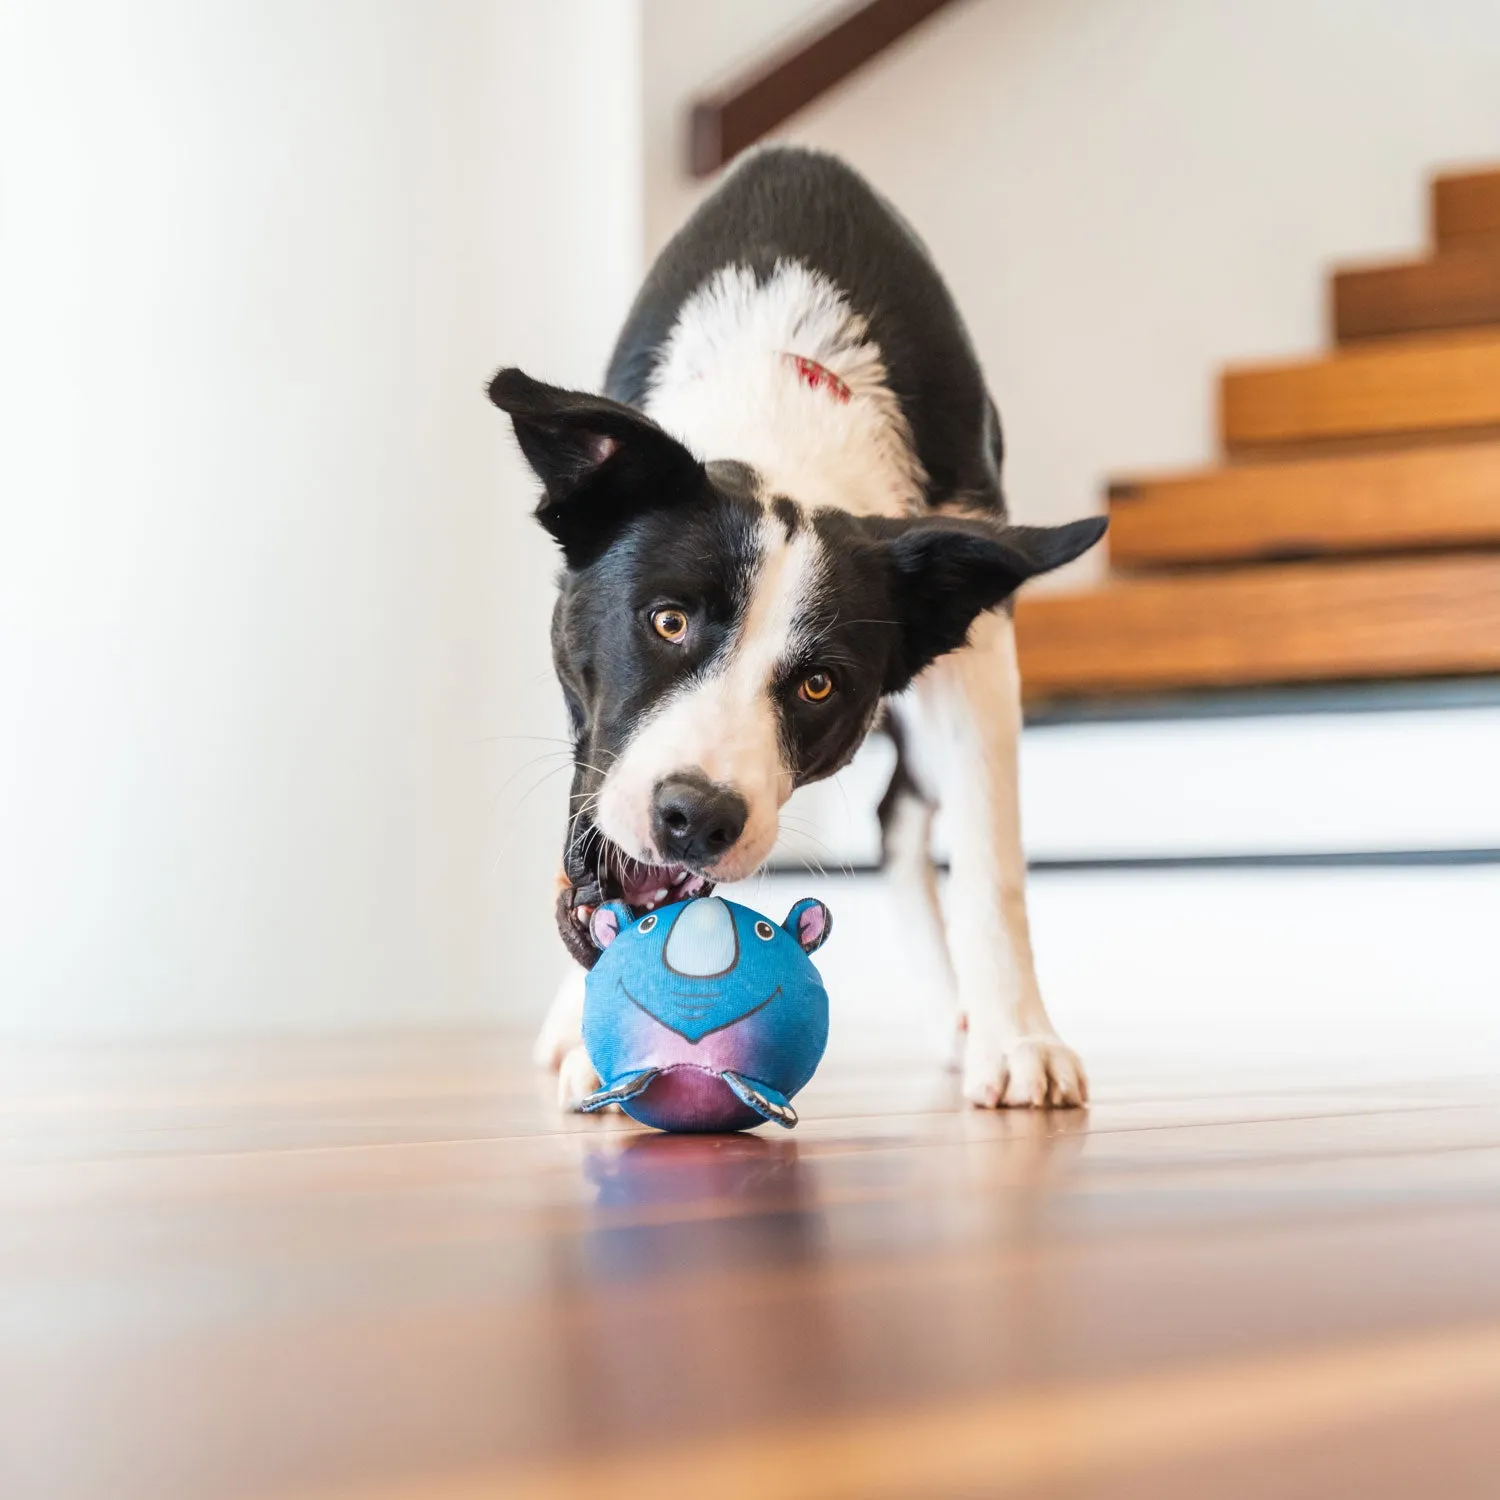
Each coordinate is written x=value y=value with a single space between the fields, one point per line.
x=902 y=786
x=602 y=463
x=643 y=524
x=791 y=204
x=612 y=665
x=947 y=571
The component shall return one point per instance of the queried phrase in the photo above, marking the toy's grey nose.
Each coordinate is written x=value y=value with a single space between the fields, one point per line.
x=702 y=942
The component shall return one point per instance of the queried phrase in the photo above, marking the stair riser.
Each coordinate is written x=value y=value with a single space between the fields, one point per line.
x=1465 y=207
x=1308 y=622
x=1460 y=289
x=1447 y=386
x=1430 y=498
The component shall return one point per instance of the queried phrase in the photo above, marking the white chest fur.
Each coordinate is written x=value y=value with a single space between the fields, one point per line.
x=728 y=386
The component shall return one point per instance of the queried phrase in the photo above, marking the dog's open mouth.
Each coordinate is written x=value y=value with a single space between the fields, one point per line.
x=645 y=887
x=598 y=870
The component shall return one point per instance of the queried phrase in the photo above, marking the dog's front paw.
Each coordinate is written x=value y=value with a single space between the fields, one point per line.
x=576 y=1079
x=1029 y=1072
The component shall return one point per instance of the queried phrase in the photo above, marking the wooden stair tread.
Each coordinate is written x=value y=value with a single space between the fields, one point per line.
x=1412 y=617
x=1465 y=205
x=1391 y=445
x=1457 y=289
x=1393 y=389
x=1422 y=498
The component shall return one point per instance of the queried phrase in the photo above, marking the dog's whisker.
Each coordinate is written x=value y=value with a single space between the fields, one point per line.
x=811 y=836
x=576 y=820
x=520 y=771
x=540 y=739
x=534 y=787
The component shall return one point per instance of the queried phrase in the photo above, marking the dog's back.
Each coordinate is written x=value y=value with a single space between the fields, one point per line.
x=785 y=207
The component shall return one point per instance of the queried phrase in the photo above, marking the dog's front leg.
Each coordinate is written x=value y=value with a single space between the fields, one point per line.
x=969 y=708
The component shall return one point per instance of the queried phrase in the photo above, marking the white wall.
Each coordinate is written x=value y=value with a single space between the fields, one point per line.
x=1126 y=196
x=272 y=618
x=271 y=610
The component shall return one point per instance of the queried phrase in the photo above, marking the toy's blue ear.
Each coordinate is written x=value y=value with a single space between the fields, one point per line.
x=810 y=922
x=608 y=922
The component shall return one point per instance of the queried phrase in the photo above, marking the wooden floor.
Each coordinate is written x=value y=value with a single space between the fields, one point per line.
x=386 y=1269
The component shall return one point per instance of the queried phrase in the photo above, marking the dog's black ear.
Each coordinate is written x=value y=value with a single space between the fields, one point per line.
x=947 y=571
x=600 y=461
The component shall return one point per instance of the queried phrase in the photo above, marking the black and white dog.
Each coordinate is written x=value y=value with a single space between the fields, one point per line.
x=784 y=516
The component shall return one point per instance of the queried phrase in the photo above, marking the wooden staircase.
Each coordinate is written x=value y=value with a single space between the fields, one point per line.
x=1354 y=530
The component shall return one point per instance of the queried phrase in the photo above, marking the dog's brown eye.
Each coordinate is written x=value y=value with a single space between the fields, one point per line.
x=816 y=686
x=669 y=624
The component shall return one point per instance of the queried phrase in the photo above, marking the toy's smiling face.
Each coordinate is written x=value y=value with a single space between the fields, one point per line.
x=703 y=965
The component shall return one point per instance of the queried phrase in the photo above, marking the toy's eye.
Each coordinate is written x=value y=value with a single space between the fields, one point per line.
x=816 y=687
x=646 y=923
x=764 y=931
x=670 y=623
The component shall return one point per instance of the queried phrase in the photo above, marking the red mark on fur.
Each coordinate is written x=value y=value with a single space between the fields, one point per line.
x=818 y=377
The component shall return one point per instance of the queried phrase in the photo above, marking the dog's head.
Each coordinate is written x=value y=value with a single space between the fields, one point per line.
x=719 y=646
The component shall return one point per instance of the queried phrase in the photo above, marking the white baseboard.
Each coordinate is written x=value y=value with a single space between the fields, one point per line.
x=1306 y=783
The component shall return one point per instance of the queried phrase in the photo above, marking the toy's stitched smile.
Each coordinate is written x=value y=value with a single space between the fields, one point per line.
x=690 y=1013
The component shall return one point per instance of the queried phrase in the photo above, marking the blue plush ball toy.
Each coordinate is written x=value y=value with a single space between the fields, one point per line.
x=705 y=1015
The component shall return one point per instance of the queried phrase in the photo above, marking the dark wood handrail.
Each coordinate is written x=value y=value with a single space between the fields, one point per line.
x=723 y=124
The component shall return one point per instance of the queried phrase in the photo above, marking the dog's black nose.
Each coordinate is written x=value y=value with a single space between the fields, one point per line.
x=695 y=821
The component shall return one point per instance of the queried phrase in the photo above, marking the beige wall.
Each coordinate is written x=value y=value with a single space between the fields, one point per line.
x=1126 y=194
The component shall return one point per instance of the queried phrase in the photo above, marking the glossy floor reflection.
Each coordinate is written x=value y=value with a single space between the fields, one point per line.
x=385 y=1269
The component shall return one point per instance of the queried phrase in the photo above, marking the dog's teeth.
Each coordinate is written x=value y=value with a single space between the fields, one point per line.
x=661 y=895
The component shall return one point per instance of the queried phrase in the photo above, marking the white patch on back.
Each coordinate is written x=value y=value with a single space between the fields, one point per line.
x=724 y=387
x=725 y=723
